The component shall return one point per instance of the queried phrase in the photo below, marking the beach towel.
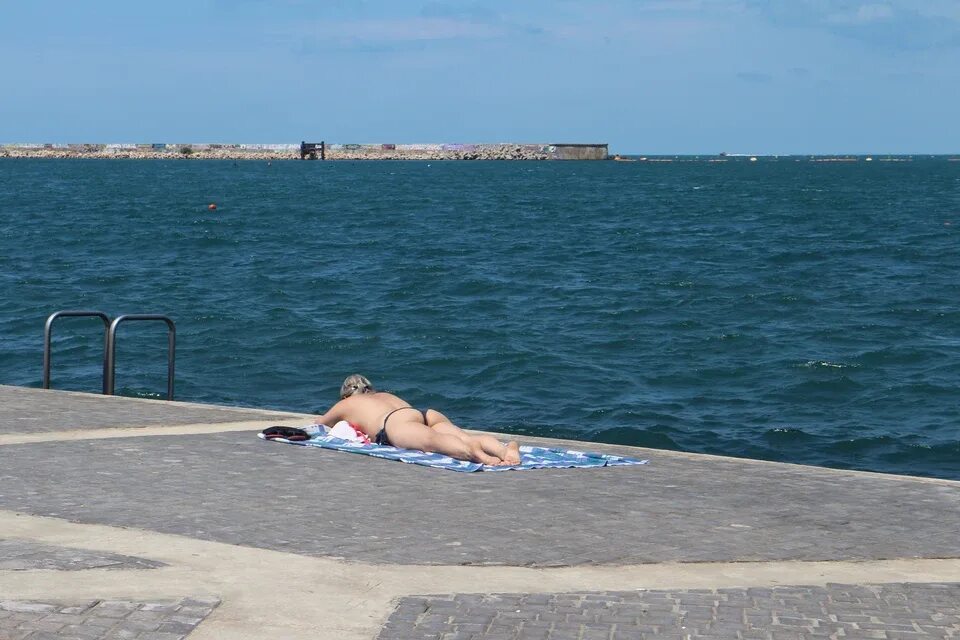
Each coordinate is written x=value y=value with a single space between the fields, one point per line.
x=530 y=457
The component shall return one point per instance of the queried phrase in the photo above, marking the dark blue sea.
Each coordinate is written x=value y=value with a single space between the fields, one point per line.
x=781 y=309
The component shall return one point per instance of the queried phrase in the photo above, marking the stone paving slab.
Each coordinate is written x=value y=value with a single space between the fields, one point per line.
x=25 y=555
x=894 y=611
x=235 y=488
x=26 y=410
x=103 y=619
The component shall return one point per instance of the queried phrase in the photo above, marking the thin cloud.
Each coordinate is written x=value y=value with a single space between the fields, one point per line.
x=864 y=14
x=893 y=24
x=682 y=6
x=476 y=13
x=391 y=35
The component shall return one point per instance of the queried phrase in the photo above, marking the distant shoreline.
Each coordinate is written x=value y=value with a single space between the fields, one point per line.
x=421 y=152
x=499 y=151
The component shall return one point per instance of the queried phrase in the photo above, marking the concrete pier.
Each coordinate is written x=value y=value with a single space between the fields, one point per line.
x=127 y=518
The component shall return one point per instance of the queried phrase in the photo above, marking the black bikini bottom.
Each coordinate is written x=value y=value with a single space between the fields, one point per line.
x=382 y=437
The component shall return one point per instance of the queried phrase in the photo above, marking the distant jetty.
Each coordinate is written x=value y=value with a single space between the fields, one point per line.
x=312 y=151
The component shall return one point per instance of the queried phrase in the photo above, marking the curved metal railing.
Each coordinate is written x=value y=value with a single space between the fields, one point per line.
x=48 y=337
x=110 y=345
x=110 y=364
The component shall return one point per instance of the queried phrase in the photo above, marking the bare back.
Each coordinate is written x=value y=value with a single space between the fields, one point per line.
x=368 y=410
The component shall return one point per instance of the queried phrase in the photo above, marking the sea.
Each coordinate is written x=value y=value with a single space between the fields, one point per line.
x=782 y=309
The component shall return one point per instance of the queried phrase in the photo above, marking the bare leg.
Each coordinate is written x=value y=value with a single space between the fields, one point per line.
x=506 y=454
x=416 y=435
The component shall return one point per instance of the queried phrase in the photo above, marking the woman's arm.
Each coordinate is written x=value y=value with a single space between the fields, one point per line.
x=333 y=416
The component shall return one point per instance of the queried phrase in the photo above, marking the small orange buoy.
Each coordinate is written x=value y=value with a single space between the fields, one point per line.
x=212 y=207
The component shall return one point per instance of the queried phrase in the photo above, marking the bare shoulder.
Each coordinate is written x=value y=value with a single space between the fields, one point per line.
x=360 y=402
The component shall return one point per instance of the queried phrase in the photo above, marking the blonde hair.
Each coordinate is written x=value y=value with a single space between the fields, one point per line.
x=355 y=384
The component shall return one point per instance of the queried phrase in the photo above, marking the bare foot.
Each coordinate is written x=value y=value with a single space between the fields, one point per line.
x=479 y=455
x=513 y=454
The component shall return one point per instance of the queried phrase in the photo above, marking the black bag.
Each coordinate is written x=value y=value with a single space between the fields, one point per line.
x=287 y=433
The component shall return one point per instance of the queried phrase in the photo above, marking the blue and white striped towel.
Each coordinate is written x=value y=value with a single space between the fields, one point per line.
x=530 y=457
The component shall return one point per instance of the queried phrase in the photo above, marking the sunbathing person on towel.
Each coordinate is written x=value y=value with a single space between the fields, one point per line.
x=388 y=420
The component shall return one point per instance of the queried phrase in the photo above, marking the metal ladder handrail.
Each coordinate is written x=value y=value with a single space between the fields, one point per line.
x=110 y=364
x=110 y=345
x=48 y=337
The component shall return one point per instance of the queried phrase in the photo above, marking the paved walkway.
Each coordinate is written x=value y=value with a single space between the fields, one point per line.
x=25 y=555
x=148 y=502
x=84 y=620
x=837 y=610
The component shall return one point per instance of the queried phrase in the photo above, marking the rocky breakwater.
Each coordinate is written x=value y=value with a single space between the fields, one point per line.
x=154 y=152
x=439 y=152
x=430 y=152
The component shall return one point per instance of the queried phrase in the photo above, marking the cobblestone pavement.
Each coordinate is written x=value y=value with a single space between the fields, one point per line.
x=235 y=488
x=24 y=555
x=103 y=619
x=887 y=611
x=26 y=410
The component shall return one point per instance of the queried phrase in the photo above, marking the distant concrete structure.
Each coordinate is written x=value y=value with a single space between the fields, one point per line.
x=576 y=151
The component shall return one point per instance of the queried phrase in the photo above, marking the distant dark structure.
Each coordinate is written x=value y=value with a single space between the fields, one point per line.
x=313 y=150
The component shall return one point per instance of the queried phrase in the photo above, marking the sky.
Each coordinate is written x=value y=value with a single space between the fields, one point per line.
x=645 y=76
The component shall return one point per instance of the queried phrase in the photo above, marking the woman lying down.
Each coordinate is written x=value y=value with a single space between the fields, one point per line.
x=389 y=420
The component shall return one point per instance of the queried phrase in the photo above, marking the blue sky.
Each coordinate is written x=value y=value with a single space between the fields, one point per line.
x=647 y=76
